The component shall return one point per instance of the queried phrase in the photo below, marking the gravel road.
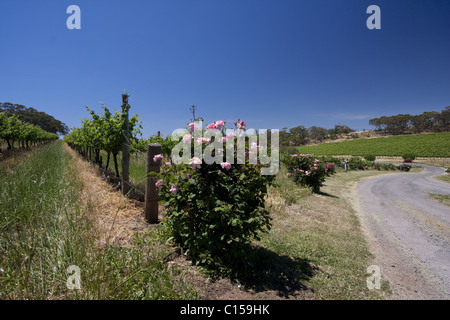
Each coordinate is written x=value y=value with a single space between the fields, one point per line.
x=408 y=232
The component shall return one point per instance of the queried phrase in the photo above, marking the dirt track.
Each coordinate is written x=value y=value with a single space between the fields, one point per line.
x=408 y=232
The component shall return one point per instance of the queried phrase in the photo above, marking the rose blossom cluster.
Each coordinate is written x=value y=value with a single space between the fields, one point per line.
x=240 y=125
x=196 y=162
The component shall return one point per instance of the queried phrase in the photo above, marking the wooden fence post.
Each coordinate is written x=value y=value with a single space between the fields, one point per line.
x=125 y=148
x=151 y=191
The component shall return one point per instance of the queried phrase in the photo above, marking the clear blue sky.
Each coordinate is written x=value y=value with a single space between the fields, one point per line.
x=272 y=63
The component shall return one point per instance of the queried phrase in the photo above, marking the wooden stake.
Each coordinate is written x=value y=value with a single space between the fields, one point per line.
x=151 y=191
x=125 y=148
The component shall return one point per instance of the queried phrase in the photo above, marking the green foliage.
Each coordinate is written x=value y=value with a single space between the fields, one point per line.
x=215 y=210
x=307 y=170
x=356 y=163
x=12 y=129
x=300 y=135
x=406 y=123
x=404 y=167
x=408 y=157
x=103 y=132
x=32 y=116
x=370 y=157
x=166 y=143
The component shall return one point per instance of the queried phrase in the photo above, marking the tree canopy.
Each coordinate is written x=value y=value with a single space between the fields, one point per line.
x=35 y=117
x=429 y=121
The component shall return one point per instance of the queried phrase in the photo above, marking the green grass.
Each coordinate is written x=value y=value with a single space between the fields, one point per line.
x=424 y=145
x=444 y=178
x=288 y=190
x=442 y=198
x=44 y=229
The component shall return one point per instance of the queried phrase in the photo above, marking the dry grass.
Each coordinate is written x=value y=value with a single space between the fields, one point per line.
x=117 y=218
x=444 y=178
x=442 y=198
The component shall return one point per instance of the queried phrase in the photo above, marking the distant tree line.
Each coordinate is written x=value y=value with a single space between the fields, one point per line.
x=301 y=135
x=37 y=118
x=430 y=121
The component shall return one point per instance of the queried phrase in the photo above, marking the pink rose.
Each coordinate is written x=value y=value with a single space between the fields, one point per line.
x=289 y=174
x=187 y=138
x=230 y=135
x=203 y=140
x=168 y=164
x=226 y=165
x=195 y=163
x=220 y=124
x=241 y=125
x=159 y=183
x=174 y=189
x=255 y=147
x=157 y=157
x=192 y=126
x=211 y=126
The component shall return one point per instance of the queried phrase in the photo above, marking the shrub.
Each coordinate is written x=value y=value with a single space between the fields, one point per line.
x=404 y=167
x=308 y=171
x=214 y=211
x=355 y=163
x=370 y=157
x=408 y=157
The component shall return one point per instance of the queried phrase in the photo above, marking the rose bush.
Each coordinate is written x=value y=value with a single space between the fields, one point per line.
x=214 y=210
x=307 y=170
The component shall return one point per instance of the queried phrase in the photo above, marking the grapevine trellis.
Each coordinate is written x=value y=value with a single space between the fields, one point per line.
x=102 y=132
x=114 y=133
x=12 y=130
